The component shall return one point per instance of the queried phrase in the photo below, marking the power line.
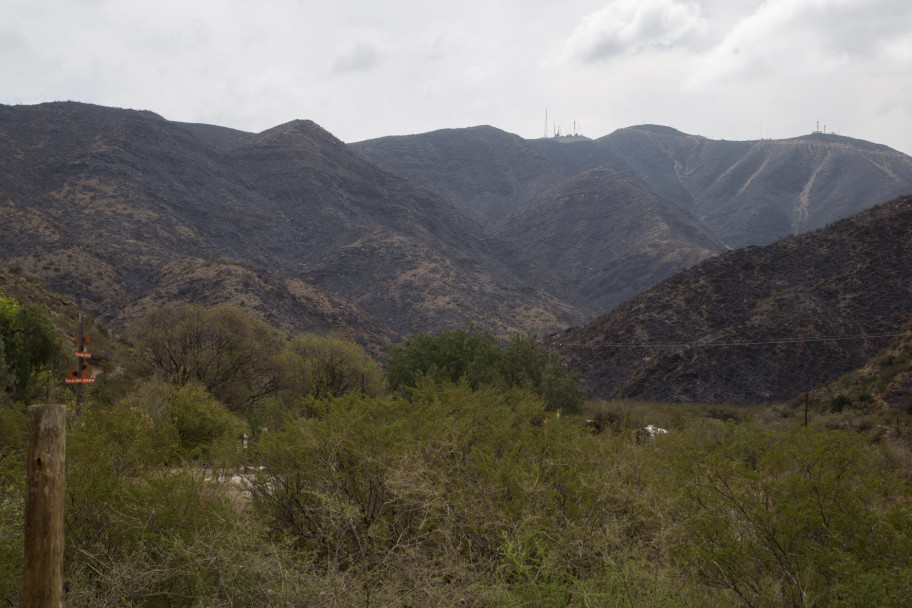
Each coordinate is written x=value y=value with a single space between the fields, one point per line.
x=729 y=343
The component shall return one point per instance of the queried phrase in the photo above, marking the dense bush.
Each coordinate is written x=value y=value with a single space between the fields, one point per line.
x=479 y=359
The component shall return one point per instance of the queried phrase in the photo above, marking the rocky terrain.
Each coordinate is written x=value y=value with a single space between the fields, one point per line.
x=760 y=323
x=112 y=207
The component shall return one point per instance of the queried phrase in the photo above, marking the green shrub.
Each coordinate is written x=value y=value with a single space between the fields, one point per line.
x=479 y=359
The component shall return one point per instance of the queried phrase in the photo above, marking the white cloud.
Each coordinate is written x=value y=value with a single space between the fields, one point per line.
x=631 y=26
x=362 y=68
x=359 y=57
x=807 y=38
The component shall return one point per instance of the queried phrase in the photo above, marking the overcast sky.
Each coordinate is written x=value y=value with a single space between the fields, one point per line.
x=725 y=69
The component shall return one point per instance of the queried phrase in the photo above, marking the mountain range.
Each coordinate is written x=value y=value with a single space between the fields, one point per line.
x=116 y=208
x=122 y=210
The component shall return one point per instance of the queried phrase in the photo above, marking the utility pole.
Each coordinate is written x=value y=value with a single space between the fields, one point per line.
x=42 y=577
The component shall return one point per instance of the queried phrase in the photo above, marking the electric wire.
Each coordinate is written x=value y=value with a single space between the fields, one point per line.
x=708 y=344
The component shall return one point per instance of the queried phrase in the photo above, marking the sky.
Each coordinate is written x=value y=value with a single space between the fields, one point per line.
x=723 y=69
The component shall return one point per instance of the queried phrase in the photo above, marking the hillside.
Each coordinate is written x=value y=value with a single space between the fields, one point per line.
x=110 y=207
x=758 y=324
x=748 y=193
x=883 y=385
x=609 y=237
x=487 y=173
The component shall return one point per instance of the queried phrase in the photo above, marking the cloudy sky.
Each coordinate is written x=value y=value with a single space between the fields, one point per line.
x=725 y=69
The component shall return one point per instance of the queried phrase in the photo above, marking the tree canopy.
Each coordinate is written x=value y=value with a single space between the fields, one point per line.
x=480 y=359
x=27 y=344
x=232 y=355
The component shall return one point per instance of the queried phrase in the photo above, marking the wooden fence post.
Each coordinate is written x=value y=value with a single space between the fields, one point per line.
x=42 y=580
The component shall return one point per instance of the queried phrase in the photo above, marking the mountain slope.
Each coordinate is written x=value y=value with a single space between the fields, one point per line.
x=104 y=204
x=609 y=237
x=761 y=323
x=486 y=172
x=884 y=383
x=753 y=193
x=398 y=251
x=748 y=193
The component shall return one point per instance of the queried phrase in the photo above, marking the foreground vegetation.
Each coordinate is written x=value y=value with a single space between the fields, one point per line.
x=455 y=489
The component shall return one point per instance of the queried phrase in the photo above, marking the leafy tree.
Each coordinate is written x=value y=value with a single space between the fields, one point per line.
x=199 y=425
x=479 y=359
x=233 y=356
x=27 y=344
x=527 y=364
x=321 y=366
x=450 y=355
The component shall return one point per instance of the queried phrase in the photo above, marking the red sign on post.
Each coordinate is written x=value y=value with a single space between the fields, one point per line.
x=83 y=354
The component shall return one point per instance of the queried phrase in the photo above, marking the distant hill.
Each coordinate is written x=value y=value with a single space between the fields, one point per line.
x=761 y=323
x=118 y=208
x=747 y=193
x=608 y=236
x=487 y=173
x=753 y=193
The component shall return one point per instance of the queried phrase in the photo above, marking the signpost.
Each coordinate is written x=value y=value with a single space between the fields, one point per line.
x=81 y=374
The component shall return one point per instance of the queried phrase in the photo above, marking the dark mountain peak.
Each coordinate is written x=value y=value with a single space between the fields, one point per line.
x=290 y=136
x=456 y=142
x=477 y=131
x=75 y=115
x=485 y=172
x=831 y=139
x=660 y=130
x=647 y=129
x=298 y=126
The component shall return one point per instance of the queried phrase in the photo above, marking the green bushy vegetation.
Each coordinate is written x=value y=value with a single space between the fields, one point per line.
x=28 y=344
x=479 y=359
x=468 y=487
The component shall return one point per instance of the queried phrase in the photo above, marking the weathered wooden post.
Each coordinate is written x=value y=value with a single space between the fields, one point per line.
x=42 y=580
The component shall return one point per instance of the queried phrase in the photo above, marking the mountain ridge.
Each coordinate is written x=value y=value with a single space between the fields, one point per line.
x=779 y=318
x=109 y=198
x=726 y=184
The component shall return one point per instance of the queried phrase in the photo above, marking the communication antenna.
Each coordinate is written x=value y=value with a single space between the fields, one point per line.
x=546 y=122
